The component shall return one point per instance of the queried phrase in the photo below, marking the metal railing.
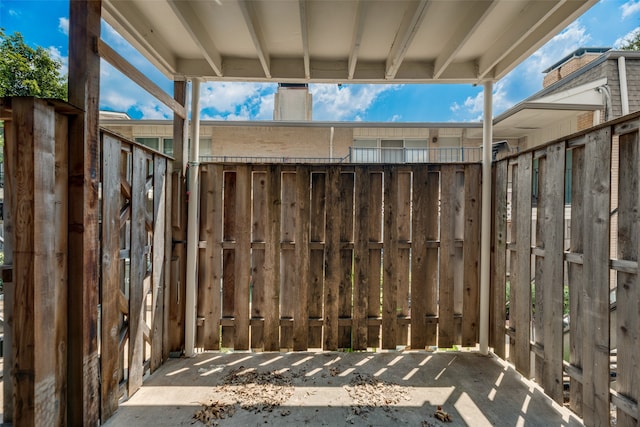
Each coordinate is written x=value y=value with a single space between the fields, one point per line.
x=415 y=155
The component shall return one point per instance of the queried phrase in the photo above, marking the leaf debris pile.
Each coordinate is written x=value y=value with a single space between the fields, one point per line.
x=258 y=391
x=210 y=414
x=368 y=393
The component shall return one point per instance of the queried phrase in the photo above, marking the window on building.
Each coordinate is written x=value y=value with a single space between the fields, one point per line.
x=151 y=142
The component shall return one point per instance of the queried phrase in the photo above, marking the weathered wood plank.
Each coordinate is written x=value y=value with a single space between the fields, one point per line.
x=61 y=263
x=229 y=256
x=168 y=243
x=332 y=259
x=361 y=258
x=110 y=316
x=375 y=257
x=8 y=285
x=404 y=258
x=35 y=400
x=471 y=254
x=522 y=282
x=288 y=258
x=345 y=290
x=210 y=270
x=553 y=272
x=243 y=257
x=84 y=87
x=259 y=233
x=302 y=236
x=538 y=286
x=390 y=259
x=628 y=318
x=499 y=282
x=272 y=261
x=178 y=264
x=138 y=271
x=446 y=325
x=316 y=258
x=512 y=238
x=158 y=259
x=595 y=302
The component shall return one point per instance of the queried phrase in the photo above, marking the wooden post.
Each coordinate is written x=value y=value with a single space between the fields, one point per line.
x=38 y=384
x=84 y=88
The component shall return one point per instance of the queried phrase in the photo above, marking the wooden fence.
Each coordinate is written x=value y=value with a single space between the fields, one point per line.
x=547 y=281
x=135 y=205
x=336 y=256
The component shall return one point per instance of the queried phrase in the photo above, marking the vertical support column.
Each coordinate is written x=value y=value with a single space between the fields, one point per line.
x=192 y=223
x=37 y=397
x=485 y=237
x=84 y=173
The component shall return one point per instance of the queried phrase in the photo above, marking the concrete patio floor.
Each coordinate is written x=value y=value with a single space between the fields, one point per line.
x=475 y=390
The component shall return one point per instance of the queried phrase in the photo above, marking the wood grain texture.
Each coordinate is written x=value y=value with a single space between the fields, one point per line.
x=259 y=233
x=374 y=309
x=404 y=254
x=243 y=258
x=84 y=77
x=539 y=281
x=595 y=302
x=361 y=259
x=390 y=259
x=288 y=261
x=332 y=260
x=272 y=262
x=110 y=316
x=316 y=257
x=302 y=236
x=499 y=282
x=522 y=282
x=471 y=254
x=158 y=260
x=345 y=290
x=446 y=326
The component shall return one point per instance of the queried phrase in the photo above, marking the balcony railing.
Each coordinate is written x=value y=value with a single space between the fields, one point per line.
x=415 y=155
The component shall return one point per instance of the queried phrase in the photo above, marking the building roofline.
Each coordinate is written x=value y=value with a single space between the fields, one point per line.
x=575 y=54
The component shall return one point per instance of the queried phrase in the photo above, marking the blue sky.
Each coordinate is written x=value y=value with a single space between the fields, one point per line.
x=45 y=23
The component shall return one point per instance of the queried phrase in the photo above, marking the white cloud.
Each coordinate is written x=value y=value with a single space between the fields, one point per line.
x=333 y=102
x=63 y=25
x=624 y=40
x=55 y=54
x=630 y=8
x=13 y=12
x=227 y=97
x=473 y=107
x=395 y=118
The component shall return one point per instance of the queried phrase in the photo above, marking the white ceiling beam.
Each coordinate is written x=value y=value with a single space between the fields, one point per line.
x=192 y=23
x=561 y=19
x=304 y=31
x=253 y=26
x=531 y=17
x=404 y=36
x=473 y=20
x=130 y=23
x=358 y=29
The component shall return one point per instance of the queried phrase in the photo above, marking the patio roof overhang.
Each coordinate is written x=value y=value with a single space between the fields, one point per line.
x=359 y=41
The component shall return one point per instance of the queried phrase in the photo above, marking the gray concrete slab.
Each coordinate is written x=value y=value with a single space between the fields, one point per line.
x=475 y=390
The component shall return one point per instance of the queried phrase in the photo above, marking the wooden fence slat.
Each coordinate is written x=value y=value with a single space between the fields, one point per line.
x=178 y=263
x=61 y=261
x=522 y=283
x=271 y=329
x=390 y=259
x=168 y=243
x=361 y=259
x=419 y=259
x=345 y=290
x=8 y=285
x=375 y=257
x=243 y=258
x=110 y=316
x=575 y=276
x=539 y=288
x=513 y=260
x=553 y=273
x=316 y=257
x=332 y=259
x=595 y=350
x=158 y=259
x=35 y=389
x=446 y=326
x=229 y=256
x=471 y=254
x=259 y=233
x=404 y=255
x=628 y=319
x=301 y=315
x=290 y=281
x=138 y=269
x=499 y=282
x=210 y=266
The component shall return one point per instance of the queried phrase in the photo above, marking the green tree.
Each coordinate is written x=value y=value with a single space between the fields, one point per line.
x=633 y=43
x=25 y=71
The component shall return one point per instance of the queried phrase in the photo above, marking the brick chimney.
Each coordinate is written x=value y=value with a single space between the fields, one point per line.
x=570 y=63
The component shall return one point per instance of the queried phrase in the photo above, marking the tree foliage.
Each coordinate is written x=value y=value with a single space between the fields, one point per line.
x=25 y=71
x=633 y=42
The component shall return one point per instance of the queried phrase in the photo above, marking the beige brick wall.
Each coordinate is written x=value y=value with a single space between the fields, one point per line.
x=569 y=67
